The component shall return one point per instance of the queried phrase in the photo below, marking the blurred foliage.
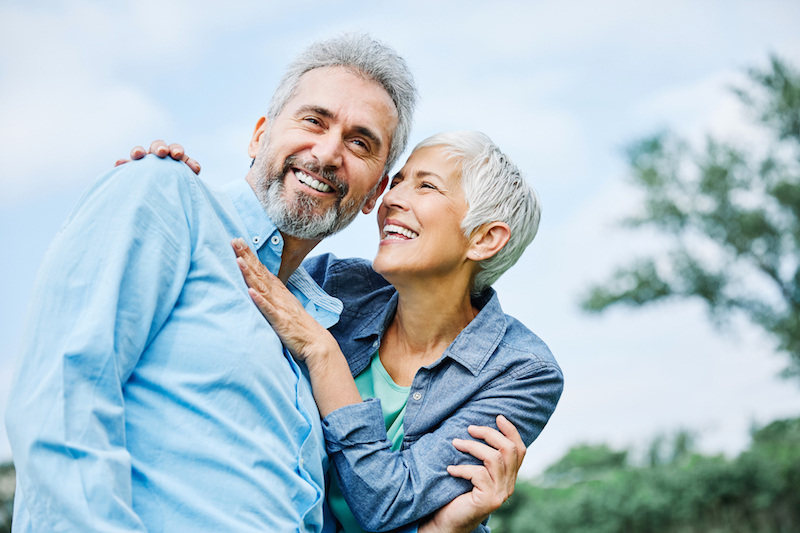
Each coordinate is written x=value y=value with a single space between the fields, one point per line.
x=759 y=491
x=732 y=216
x=596 y=489
x=7 y=484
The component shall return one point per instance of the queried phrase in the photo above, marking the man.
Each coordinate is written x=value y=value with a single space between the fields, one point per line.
x=150 y=395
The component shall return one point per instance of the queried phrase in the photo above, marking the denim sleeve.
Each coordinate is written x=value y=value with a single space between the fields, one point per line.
x=107 y=283
x=387 y=489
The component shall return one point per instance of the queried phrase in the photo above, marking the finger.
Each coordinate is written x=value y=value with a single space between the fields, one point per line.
x=496 y=440
x=480 y=451
x=252 y=278
x=194 y=165
x=159 y=148
x=492 y=494
x=244 y=252
x=176 y=151
x=121 y=162
x=510 y=431
x=138 y=152
x=477 y=473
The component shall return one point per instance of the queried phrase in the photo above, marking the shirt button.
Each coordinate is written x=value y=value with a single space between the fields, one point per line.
x=275 y=240
x=376 y=344
x=301 y=461
x=256 y=239
x=417 y=396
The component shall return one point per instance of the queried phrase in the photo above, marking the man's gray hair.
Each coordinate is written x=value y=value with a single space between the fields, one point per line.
x=495 y=191
x=367 y=56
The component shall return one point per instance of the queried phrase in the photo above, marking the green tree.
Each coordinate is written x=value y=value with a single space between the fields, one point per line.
x=732 y=216
x=684 y=492
x=7 y=485
x=584 y=462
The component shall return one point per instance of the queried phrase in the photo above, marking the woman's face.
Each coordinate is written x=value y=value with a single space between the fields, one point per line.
x=420 y=220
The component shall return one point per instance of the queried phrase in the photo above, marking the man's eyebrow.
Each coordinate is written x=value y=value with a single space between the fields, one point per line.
x=321 y=111
x=369 y=134
x=361 y=130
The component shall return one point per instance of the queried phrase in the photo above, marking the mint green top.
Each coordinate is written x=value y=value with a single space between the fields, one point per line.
x=372 y=382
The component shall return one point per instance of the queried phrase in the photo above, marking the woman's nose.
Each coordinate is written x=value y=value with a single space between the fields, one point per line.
x=396 y=197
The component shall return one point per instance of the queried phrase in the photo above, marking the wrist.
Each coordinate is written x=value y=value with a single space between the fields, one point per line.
x=322 y=353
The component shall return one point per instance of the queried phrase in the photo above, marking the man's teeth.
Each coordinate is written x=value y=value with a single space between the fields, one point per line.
x=391 y=228
x=311 y=182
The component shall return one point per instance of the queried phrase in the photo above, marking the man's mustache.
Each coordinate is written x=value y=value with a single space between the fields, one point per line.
x=314 y=167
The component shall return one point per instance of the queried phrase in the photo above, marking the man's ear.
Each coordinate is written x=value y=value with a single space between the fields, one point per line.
x=258 y=134
x=373 y=200
x=488 y=240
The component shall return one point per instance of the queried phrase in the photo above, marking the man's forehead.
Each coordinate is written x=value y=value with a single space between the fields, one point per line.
x=325 y=84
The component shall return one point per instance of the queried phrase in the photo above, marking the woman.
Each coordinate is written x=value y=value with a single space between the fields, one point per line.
x=423 y=331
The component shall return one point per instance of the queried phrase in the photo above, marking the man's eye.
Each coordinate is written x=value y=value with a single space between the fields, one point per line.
x=361 y=144
x=312 y=120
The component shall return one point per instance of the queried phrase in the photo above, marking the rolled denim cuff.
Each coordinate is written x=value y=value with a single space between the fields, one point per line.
x=358 y=423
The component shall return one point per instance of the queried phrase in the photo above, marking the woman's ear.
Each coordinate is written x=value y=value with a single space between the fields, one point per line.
x=258 y=136
x=488 y=240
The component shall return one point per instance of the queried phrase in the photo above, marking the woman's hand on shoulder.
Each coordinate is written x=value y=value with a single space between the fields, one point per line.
x=493 y=482
x=160 y=149
x=300 y=333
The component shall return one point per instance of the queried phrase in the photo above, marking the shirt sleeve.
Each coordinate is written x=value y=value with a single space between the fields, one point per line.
x=107 y=284
x=386 y=489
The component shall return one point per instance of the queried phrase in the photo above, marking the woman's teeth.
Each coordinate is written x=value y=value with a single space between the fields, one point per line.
x=391 y=229
x=311 y=182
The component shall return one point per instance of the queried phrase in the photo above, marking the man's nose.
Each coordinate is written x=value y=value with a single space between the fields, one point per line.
x=328 y=150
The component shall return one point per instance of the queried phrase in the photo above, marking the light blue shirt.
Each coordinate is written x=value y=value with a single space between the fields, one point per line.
x=151 y=395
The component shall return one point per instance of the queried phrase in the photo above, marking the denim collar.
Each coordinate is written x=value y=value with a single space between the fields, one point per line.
x=471 y=348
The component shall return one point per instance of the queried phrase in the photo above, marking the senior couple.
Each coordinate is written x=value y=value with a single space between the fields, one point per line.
x=152 y=395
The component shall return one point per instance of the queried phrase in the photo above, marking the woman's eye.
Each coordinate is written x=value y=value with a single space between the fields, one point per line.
x=426 y=185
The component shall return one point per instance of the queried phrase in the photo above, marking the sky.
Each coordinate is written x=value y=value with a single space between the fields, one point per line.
x=561 y=87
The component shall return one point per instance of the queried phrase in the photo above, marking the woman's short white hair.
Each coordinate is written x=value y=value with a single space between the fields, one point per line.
x=495 y=191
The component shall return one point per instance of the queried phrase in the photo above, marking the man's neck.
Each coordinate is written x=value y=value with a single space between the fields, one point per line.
x=294 y=251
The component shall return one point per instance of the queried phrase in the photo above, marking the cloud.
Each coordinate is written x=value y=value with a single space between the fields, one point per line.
x=61 y=105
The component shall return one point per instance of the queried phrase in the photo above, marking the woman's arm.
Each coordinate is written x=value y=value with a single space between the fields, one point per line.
x=492 y=482
x=387 y=489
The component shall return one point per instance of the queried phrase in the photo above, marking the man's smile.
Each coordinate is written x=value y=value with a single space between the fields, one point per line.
x=311 y=181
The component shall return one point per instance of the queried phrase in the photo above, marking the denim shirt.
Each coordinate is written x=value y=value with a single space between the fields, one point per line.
x=495 y=366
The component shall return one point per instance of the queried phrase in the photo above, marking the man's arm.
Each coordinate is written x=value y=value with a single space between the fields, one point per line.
x=106 y=285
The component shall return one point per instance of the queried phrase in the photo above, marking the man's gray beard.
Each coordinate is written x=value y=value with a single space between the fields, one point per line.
x=298 y=217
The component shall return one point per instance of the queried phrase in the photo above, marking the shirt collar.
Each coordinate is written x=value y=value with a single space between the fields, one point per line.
x=258 y=224
x=266 y=240
x=471 y=348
